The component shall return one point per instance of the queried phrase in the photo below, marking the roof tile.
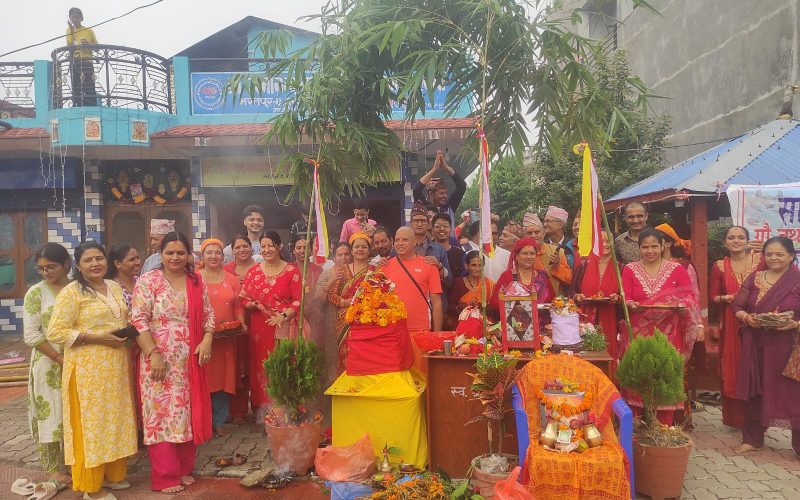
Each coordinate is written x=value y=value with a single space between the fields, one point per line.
x=23 y=133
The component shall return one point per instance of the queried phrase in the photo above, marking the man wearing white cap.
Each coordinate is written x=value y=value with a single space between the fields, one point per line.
x=158 y=229
x=548 y=258
x=555 y=220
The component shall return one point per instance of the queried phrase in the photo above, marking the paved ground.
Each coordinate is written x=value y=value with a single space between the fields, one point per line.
x=715 y=471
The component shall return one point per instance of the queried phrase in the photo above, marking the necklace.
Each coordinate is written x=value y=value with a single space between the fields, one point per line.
x=657 y=270
x=114 y=307
x=273 y=270
x=768 y=282
x=470 y=284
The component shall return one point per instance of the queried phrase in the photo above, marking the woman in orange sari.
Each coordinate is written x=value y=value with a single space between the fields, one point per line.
x=468 y=290
x=345 y=287
x=727 y=276
x=223 y=293
x=594 y=277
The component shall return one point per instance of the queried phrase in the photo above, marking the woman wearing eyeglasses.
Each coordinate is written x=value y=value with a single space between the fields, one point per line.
x=44 y=380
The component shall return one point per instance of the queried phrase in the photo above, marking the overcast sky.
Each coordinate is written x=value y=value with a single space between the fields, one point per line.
x=165 y=28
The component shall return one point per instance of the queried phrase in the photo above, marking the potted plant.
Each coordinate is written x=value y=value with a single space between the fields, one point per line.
x=653 y=368
x=491 y=385
x=293 y=369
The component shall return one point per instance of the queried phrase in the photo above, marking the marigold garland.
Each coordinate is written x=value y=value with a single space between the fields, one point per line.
x=376 y=303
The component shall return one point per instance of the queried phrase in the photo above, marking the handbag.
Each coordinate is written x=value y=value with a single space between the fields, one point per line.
x=792 y=368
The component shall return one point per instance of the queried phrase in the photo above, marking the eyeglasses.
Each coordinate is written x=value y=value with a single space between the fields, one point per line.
x=441 y=226
x=46 y=269
x=419 y=221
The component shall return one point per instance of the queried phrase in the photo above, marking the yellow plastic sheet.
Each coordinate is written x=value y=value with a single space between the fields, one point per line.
x=389 y=407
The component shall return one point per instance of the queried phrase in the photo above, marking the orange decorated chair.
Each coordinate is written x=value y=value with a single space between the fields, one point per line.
x=604 y=472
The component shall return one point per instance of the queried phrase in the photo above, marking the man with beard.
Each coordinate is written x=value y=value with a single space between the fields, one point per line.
x=253 y=220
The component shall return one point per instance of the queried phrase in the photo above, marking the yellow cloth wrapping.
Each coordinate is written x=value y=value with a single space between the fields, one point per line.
x=597 y=473
x=389 y=407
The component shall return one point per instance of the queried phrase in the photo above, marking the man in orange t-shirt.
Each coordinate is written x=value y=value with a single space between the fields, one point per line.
x=423 y=311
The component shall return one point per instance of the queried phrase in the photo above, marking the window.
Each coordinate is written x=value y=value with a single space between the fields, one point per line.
x=21 y=236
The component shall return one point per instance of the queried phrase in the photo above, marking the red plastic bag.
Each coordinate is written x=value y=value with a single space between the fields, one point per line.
x=510 y=489
x=378 y=349
x=354 y=463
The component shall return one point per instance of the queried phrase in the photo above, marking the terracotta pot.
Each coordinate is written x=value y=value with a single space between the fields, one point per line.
x=485 y=481
x=293 y=447
x=659 y=471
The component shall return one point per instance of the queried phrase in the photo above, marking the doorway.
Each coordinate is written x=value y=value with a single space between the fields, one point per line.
x=130 y=224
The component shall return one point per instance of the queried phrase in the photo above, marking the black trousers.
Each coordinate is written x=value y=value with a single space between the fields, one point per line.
x=83 y=91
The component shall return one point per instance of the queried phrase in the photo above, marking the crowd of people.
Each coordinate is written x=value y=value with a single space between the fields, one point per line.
x=93 y=383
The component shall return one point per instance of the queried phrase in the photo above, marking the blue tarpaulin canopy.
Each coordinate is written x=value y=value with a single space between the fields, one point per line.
x=769 y=154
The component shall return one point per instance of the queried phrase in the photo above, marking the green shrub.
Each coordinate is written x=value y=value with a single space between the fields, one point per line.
x=294 y=369
x=652 y=368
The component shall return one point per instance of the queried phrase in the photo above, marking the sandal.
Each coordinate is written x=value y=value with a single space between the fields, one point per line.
x=44 y=491
x=23 y=486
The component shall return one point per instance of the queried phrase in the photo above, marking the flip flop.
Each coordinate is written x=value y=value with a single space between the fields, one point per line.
x=44 y=491
x=58 y=484
x=119 y=485
x=23 y=486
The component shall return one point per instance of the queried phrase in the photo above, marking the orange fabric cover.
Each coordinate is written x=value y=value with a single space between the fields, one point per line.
x=597 y=473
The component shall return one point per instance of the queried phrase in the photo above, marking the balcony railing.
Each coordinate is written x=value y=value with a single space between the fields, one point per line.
x=17 y=97
x=123 y=78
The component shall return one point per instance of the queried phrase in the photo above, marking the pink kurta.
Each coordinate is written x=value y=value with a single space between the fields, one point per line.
x=166 y=413
x=221 y=369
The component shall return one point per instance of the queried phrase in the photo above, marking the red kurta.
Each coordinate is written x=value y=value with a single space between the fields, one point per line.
x=221 y=369
x=589 y=282
x=725 y=282
x=276 y=293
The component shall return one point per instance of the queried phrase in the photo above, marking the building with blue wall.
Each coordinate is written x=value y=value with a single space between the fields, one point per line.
x=160 y=140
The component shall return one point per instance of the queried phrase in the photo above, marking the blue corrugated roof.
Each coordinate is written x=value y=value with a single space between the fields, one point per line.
x=767 y=155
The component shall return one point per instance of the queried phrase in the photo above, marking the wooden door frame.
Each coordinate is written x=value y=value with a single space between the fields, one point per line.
x=114 y=208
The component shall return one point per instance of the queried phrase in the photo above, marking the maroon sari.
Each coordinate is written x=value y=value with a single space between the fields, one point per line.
x=764 y=353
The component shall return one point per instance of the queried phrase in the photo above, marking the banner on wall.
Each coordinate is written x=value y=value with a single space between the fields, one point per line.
x=208 y=99
x=767 y=211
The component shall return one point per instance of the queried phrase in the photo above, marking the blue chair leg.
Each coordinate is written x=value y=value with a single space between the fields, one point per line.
x=522 y=425
x=625 y=416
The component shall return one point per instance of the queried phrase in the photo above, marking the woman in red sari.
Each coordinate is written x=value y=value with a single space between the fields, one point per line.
x=595 y=277
x=727 y=276
x=345 y=287
x=271 y=291
x=652 y=285
x=520 y=278
x=243 y=260
x=772 y=399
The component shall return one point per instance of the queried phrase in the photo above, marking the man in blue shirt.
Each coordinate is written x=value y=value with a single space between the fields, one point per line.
x=437 y=189
x=434 y=253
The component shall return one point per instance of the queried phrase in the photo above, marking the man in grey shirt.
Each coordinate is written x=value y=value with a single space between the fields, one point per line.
x=158 y=229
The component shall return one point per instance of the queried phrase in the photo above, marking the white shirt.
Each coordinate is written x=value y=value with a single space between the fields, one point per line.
x=227 y=253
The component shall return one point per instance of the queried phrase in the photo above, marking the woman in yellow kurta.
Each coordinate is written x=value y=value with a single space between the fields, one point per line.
x=99 y=421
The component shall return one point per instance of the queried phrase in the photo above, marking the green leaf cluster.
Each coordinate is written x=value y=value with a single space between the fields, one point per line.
x=294 y=370
x=507 y=59
x=595 y=341
x=491 y=385
x=652 y=368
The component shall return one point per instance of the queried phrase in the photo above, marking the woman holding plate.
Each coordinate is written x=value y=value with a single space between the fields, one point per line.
x=660 y=296
x=727 y=275
x=768 y=306
x=223 y=294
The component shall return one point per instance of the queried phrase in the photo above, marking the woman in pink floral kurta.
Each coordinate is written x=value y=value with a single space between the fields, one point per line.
x=161 y=306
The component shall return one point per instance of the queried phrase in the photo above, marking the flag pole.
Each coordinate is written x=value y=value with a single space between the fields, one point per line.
x=615 y=263
x=312 y=203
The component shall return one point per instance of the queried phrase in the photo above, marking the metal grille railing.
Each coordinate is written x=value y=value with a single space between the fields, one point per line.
x=122 y=78
x=17 y=96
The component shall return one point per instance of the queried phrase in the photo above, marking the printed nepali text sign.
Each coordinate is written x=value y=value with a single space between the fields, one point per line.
x=208 y=99
x=767 y=211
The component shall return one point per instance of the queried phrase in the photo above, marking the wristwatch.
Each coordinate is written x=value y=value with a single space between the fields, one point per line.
x=285 y=316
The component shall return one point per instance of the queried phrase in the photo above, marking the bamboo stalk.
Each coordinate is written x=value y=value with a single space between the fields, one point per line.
x=13 y=366
x=14 y=384
x=13 y=378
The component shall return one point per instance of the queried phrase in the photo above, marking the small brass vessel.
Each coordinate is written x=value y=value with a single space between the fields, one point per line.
x=550 y=434
x=592 y=435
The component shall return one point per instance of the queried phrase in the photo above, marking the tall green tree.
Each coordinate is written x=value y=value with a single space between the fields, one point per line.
x=510 y=187
x=509 y=59
x=632 y=152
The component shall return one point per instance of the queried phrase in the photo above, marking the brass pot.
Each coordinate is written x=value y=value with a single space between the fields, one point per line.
x=592 y=435
x=550 y=434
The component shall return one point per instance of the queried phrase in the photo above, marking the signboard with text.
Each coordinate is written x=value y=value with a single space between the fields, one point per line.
x=767 y=211
x=208 y=99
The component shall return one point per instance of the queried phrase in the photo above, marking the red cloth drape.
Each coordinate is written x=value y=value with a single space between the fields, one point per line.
x=198 y=385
